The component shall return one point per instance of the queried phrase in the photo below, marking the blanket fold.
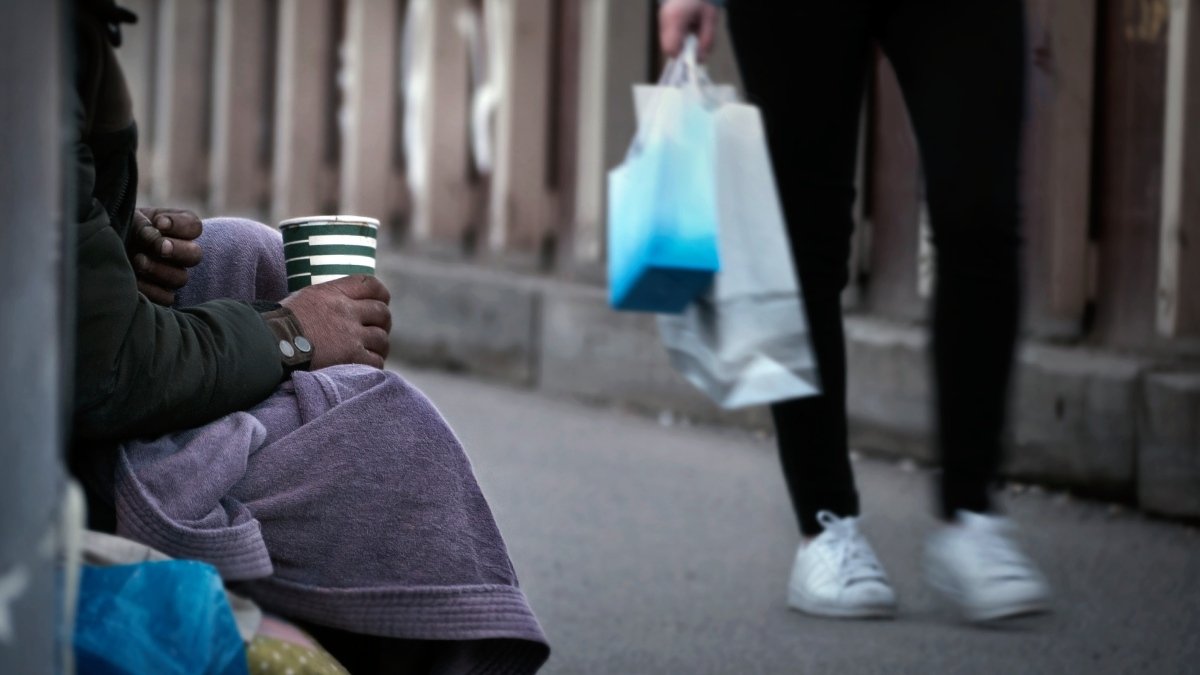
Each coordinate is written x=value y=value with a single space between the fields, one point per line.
x=344 y=499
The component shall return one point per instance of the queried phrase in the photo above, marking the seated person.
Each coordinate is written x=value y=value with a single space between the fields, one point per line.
x=326 y=489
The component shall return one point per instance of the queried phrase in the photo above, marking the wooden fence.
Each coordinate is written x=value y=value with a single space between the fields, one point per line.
x=482 y=129
x=276 y=108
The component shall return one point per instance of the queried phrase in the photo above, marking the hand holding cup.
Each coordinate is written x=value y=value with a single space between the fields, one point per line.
x=347 y=320
x=339 y=303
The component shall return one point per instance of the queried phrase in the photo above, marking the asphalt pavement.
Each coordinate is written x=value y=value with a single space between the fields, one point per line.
x=650 y=547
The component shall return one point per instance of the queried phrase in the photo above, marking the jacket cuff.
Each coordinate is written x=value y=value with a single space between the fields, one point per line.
x=295 y=350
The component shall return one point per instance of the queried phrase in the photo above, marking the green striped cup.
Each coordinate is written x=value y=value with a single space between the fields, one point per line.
x=323 y=248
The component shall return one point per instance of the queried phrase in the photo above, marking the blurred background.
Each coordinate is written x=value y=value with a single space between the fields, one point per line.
x=480 y=131
x=652 y=531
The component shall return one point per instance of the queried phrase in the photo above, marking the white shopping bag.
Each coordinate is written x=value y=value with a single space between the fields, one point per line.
x=746 y=341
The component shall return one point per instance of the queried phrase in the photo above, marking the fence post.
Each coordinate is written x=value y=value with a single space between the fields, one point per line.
x=1179 y=244
x=587 y=220
x=31 y=329
x=1128 y=174
x=437 y=108
x=181 y=102
x=369 y=138
x=301 y=180
x=519 y=213
x=243 y=65
x=564 y=95
x=613 y=54
x=1058 y=163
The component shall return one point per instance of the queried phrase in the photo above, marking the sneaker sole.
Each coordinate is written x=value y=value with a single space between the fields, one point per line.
x=976 y=614
x=801 y=603
x=1011 y=611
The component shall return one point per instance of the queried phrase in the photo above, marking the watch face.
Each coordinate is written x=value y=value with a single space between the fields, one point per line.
x=295 y=350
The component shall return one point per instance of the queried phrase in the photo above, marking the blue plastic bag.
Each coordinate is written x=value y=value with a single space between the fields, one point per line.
x=160 y=618
x=662 y=213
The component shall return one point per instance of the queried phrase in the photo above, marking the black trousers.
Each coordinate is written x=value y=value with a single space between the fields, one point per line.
x=961 y=68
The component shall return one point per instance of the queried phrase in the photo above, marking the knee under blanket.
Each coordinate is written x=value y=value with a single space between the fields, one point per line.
x=343 y=499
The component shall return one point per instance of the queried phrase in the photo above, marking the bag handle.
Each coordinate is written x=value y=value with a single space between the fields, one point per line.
x=685 y=69
x=682 y=72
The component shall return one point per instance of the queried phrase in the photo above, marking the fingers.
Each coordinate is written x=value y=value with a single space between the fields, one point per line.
x=347 y=320
x=150 y=238
x=375 y=341
x=373 y=360
x=160 y=274
x=180 y=225
x=707 y=35
x=376 y=313
x=174 y=223
x=672 y=28
x=362 y=287
x=156 y=294
x=677 y=18
x=180 y=252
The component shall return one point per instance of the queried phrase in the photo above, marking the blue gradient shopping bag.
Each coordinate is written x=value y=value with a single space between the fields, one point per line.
x=662 y=212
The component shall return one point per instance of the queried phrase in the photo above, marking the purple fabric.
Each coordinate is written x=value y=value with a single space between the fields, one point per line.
x=243 y=260
x=343 y=499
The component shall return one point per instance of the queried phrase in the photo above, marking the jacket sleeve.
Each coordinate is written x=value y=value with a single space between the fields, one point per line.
x=142 y=369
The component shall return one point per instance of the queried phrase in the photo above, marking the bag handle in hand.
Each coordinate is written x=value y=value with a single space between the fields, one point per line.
x=683 y=72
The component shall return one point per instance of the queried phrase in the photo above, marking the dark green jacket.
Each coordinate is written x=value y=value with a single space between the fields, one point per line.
x=141 y=369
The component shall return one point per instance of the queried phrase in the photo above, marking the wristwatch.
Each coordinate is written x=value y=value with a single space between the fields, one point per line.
x=295 y=350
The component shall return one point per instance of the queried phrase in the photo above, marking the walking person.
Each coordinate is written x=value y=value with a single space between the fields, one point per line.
x=961 y=68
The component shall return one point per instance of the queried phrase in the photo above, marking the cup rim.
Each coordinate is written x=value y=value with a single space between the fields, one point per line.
x=349 y=220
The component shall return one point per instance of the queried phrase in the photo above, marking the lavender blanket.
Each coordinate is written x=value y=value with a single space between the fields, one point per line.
x=344 y=499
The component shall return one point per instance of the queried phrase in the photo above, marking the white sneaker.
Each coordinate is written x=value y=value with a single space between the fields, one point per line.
x=977 y=566
x=838 y=575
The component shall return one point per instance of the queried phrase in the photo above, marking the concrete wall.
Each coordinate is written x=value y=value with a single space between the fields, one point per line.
x=1100 y=423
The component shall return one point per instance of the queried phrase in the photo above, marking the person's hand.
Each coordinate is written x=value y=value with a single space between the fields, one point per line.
x=347 y=320
x=163 y=248
x=677 y=18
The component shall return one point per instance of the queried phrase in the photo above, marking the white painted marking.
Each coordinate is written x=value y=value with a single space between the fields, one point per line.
x=357 y=260
x=341 y=240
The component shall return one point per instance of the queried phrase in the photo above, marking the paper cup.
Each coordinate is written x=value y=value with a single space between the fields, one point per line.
x=317 y=249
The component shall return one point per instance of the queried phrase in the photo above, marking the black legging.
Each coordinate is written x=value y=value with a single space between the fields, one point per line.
x=961 y=67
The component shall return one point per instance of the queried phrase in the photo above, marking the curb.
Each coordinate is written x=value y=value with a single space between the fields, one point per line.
x=1102 y=424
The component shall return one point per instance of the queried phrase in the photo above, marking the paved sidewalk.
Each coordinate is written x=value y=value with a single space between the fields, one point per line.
x=648 y=548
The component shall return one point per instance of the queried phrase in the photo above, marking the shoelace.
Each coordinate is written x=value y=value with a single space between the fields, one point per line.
x=851 y=553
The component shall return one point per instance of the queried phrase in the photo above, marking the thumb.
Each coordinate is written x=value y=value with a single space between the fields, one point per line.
x=671 y=32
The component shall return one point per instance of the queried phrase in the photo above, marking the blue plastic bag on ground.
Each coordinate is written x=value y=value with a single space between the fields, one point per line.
x=662 y=213
x=160 y=618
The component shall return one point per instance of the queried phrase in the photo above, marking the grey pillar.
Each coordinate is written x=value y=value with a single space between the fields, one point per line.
x=31 y=292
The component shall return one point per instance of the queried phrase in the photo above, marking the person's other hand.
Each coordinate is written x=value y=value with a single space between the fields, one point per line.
x=347 y=320
x=677 y=18
x=163 y=248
